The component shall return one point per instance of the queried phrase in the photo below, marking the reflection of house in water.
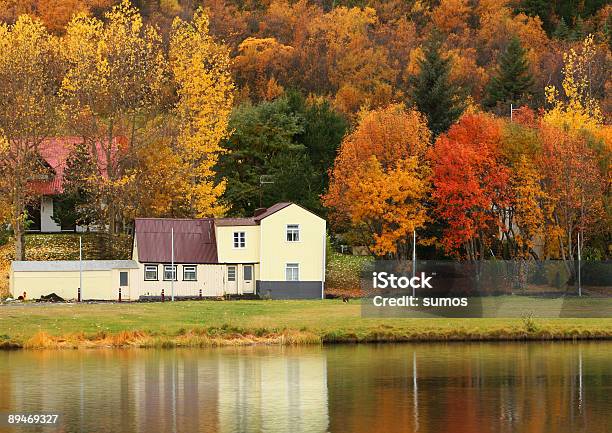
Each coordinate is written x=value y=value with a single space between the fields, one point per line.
x=272 y=393
x=271 y=389
x=250 y=390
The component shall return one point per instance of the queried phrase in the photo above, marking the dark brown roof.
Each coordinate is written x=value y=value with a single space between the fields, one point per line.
x=272 y=209
x=235 y=222
x=194 y=240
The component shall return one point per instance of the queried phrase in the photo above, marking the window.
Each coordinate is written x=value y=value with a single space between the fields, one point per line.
x=169 y=273
x=248 y=273
x=190 y=273
x=239 y=239
x=231 y=273
x=123 y=279
x=292 y=272
x=293 y=233
x=150 y=273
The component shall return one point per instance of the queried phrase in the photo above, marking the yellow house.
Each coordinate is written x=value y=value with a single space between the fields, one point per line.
x=278 y=253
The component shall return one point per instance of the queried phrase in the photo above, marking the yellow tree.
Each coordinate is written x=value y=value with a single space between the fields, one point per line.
x=201 y=72
x=576 y=110
x=579 y=152
x=261 y=62
x=358 y=70
x=529 y=209
x=112 y=91
x=380 y=179
x=29 y=80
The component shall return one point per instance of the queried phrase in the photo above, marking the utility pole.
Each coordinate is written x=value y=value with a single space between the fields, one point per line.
x=413 y=259
x=173 y=268
x=81 y=265
x=579 y=263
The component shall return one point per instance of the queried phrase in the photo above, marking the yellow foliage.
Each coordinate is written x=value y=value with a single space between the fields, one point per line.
x=201 y=70
x=578 y=111
x=451 y=15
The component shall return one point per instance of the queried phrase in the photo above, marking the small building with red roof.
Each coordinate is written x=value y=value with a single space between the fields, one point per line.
x=54 y=153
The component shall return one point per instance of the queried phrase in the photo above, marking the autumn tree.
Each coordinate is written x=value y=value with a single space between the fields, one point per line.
x=575 y=109
x=471 y=186
x=380 y=179
x=200 y=69
x=513 y=81
x=576 y=185
x=432 y=93
x=261 y=63
x=30 y=72
x=357 y=69
x=528 y=214
x=160 y=182
x=578 y=153
x=112 y=90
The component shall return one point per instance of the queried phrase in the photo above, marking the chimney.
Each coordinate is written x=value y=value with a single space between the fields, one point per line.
x=259 y=211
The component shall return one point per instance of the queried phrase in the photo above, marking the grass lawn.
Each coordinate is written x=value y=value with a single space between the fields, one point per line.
x=315 y=321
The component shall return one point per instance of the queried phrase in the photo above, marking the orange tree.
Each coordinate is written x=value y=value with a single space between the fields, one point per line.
x=380 y=179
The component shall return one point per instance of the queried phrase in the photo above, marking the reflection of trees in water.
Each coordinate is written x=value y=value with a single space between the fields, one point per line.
x=531 y=387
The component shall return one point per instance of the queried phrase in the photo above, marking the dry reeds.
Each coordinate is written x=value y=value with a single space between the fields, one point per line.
x=233 y=336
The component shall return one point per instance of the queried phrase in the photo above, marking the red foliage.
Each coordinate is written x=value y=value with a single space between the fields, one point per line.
x=471 y=182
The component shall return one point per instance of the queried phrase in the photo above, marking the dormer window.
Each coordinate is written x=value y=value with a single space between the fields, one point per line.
x=239 y=239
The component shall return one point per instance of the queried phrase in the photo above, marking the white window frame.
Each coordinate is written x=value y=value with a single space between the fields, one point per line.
x=190 y=268
x=295 y=272
x=151 y=268
x=170 y=266
x=294 y=229
x=235 y=269
x=239 y=240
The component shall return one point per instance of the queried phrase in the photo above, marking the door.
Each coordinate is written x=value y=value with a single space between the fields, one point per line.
x=231 y=280
x=247 y=281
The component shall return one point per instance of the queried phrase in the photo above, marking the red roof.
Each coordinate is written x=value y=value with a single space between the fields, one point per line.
x=55 y=152
x=222 y=222
x=194 y=240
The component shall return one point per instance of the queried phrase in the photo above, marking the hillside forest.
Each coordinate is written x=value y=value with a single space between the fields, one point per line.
x=483 y=125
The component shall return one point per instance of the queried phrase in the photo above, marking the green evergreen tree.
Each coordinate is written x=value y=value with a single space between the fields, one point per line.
x=432 y=91
x=512 y=82
x=76 y=205
x=290 y=142
x=562 y=31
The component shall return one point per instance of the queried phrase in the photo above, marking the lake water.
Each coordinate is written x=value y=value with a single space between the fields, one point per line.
x=502 y=387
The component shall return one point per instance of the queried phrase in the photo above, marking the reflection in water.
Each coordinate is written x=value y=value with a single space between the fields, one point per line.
x=536 y=387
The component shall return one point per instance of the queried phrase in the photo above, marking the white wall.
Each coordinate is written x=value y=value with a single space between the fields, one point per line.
x=226 y=252
x=276 y=251
x=96 y=284
x=46 y=212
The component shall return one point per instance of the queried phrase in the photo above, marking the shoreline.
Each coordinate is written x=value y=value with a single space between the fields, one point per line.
x=306 y=322
x=211 y=338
